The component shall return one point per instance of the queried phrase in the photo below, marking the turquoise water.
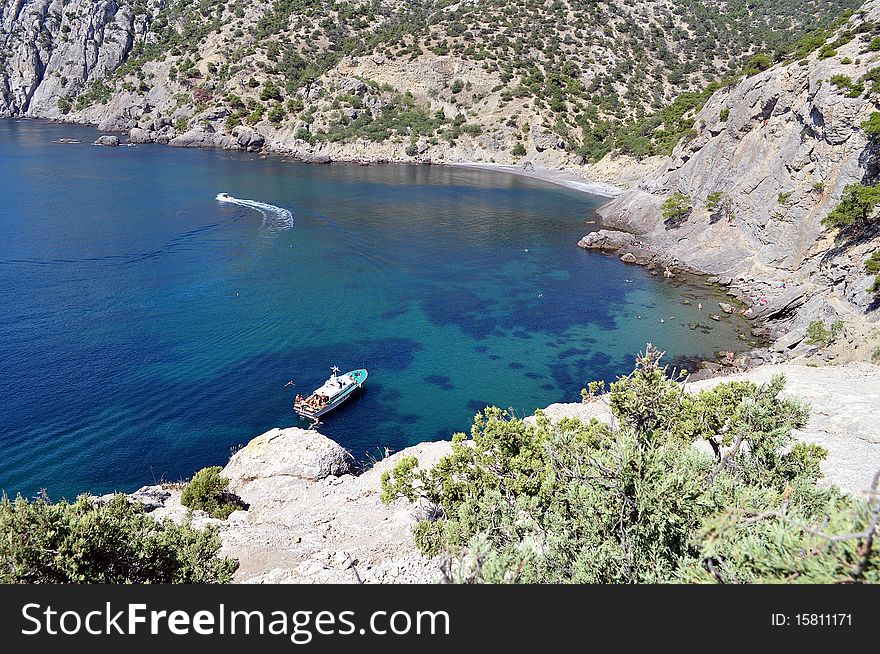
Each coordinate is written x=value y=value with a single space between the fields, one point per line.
x=146 y=328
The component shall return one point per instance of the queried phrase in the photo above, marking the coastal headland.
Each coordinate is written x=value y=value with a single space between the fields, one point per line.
x=312 y=518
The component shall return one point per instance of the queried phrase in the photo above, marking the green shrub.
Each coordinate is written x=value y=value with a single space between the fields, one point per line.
x=784 y=197
x=270 y=92
x=810 y=42
x=820 y=334
x=758 y=63
x=519 y=150
x=233 y=121
x=676 y=209
x=845 y=83
x=207 y=491
x=256 y=115
x=86 y=542
x=591 y=502
x=724 y=114
x=871 y=126
x=276 y=114
x=827 y=51
x=457 y=86
x=295 y=105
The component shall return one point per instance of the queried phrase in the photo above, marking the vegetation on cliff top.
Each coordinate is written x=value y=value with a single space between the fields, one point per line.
x=116 y=542
x=635 y=502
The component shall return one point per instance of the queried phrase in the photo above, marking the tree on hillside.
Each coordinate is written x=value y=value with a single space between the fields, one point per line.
x=676 y=209
x=857 y=207
x=871 y=126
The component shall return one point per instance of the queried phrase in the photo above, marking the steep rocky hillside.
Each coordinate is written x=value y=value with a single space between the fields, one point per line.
x=549 y=80
x=769 y=158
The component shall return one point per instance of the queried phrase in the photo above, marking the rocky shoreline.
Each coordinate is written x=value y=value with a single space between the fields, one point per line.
x=311 y=518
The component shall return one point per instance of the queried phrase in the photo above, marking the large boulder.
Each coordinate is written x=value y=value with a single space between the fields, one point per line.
x=108 y=140
x=201 y=138
x=138 y=135
x=248 y=139
x=293 y=452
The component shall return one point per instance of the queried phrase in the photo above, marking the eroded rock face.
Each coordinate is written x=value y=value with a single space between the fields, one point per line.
x=293 y=452
x=780 y=147
x=56 y=49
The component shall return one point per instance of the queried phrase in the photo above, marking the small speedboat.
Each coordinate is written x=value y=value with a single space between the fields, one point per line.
x=336 y=390
x=224 y=197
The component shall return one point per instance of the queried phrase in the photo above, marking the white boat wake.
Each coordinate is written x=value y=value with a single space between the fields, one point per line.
x=275 y=218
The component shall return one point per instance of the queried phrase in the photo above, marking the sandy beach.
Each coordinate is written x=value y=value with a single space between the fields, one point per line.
x=566 y=178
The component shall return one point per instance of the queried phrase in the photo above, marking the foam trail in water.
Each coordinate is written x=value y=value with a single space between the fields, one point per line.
x=274 y=218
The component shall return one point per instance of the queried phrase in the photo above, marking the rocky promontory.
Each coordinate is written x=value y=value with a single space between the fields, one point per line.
x=312 y=519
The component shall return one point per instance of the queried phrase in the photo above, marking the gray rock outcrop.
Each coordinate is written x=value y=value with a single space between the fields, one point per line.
x=203 y=138
x=139 y=135
x=293 y=452
x=248 y=139
x=107 y=140
x=56 y=49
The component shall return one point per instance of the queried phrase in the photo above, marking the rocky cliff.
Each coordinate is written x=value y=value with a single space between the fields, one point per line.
x=51 y=50
x=311 y=520
x=769 y=157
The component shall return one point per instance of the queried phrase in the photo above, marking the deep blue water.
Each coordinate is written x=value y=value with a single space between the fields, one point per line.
x=146 y=328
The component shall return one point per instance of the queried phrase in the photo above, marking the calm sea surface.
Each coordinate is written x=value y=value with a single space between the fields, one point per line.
x=146 y=328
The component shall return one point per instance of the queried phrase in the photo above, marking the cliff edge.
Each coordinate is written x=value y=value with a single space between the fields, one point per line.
x=312 y=520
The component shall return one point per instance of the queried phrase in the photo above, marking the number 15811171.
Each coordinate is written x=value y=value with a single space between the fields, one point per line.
x=812 y=620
